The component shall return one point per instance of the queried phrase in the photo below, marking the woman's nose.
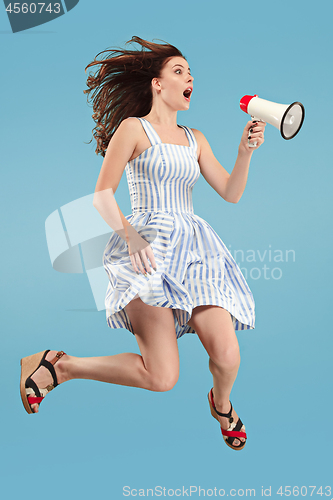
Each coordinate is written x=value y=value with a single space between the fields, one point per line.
x=190 y=78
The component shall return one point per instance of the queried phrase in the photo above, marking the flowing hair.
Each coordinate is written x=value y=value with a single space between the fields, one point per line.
x=121 y=87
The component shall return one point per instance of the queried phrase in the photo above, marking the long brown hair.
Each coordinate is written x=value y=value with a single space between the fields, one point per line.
x=122 y=85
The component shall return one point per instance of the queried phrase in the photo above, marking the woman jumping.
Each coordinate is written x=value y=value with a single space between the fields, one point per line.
x=169 y=272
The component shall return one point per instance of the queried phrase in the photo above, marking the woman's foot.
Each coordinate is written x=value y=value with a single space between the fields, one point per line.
x=40 y=373
x=43 y=377
x=225 y=422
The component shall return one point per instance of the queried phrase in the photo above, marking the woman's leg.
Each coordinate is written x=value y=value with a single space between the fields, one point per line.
x=215 y=330
x=157 y=368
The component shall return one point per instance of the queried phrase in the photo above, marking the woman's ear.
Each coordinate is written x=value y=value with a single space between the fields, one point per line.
x=155 y=83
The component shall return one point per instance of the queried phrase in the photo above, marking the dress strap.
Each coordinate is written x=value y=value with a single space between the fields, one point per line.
x=191 y=138
x=151 y=134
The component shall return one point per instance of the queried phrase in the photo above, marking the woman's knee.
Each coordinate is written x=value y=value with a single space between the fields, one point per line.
x=164 y=381
x=227 y=358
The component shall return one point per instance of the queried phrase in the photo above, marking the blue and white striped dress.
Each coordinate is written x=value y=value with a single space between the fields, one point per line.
x=194 y=267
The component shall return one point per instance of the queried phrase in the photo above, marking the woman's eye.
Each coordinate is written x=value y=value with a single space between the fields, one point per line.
x=178 y=70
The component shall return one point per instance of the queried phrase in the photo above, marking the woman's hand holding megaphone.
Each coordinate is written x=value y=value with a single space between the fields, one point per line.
x=253 y=136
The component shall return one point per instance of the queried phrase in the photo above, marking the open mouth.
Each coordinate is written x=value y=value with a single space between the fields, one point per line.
x=187 y=93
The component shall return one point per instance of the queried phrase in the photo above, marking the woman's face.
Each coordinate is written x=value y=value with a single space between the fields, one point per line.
x=175 y=84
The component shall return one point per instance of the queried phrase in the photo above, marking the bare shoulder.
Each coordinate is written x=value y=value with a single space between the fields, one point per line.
x=130 y=125
x=201 y=140
x=198 y=135
x=127 y=135
x=119 y=151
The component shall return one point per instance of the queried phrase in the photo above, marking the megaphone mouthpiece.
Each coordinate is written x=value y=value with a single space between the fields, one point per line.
x=244 y=102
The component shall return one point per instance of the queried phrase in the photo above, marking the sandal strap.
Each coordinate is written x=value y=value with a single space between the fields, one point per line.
x=57 y=357
x=32 y=400
x=234 y=432
x=29 y=383
x=49 y=366
x=227 y=415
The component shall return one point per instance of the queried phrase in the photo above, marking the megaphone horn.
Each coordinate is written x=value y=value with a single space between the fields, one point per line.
x=288 y=118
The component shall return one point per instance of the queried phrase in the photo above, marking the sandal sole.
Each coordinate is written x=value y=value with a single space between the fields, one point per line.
x=28 y=366
x=214 y=415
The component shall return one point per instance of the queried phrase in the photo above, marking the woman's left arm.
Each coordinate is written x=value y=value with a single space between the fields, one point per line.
x=229 y=186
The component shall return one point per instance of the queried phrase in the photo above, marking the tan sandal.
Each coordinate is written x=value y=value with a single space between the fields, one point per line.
x=30 y=393
x=234 y=430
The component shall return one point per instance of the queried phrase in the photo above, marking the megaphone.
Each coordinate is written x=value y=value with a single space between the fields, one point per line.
x=288 y=118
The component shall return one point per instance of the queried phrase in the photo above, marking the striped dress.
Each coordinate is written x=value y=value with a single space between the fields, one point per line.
x=194 y=267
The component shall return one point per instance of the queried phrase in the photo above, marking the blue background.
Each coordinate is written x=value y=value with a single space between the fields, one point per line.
x=91 y=439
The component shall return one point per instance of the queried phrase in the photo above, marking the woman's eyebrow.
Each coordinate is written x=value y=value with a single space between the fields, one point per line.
x=181 y=66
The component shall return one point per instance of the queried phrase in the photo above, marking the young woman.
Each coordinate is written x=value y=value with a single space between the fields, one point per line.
x=169 y=272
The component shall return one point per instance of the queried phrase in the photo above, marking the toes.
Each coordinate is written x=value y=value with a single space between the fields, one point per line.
x=235 y=442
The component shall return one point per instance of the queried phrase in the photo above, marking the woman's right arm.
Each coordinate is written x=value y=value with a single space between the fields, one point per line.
x=119 y=151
